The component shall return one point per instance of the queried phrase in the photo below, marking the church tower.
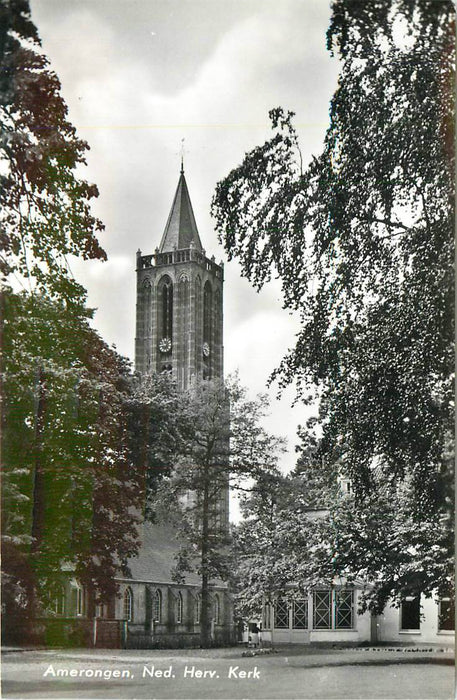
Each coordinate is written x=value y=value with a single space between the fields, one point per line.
x=179 y=310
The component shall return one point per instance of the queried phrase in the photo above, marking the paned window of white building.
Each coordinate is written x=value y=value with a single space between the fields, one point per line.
x=410 y=613
x=322 y=610
x=344 y=606
x=281 y=614
x=300 y=614
x=333 y=609
x=446 y=615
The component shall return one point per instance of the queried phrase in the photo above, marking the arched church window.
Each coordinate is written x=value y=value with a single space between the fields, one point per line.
x=179 y=608
x=76 y=599
x=157 y=607
x=148 y=608
x=100 y=610
x=128 y=605
x=59 y=602
x=217 y=610
x=79 y=600
x=197 y=609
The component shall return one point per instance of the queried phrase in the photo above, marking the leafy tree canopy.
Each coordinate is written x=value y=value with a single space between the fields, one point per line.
x=222 y=443
x=84 y=441
x=303 y=531
x=362 y=241
x=45 y=215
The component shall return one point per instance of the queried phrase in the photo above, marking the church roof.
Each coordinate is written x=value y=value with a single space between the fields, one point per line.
x=181 y=229
x=157 y=557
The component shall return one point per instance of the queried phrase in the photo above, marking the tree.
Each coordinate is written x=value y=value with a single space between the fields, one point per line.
x=381 y=543
x=363 y=244
x=64 y=423
x=284 y=546
x=45 y=215
x=222 y=444
x=84 y=442
x=155 y=432
x=67 y=489
x=302 y=531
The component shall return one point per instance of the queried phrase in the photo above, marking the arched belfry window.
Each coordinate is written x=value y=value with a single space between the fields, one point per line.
x=165 y=298
x=147 y=306
x=217 y=318
x=207 y=312
x=183 y=305
x=207 y=329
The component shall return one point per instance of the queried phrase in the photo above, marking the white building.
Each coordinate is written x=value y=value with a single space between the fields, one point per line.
x=330 y=615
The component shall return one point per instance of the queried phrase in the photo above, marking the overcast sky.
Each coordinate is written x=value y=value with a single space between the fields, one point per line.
x=140 y=75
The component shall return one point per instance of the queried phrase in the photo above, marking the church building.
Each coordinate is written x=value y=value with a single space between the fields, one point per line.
x=179 y=329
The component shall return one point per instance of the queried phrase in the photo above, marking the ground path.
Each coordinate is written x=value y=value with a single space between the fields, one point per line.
x=296 y=673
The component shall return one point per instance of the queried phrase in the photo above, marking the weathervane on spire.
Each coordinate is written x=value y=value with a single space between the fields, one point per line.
x=182 y=155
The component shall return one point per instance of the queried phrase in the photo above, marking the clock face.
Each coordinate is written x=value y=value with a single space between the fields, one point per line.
x=205 y=349
x=165 y=345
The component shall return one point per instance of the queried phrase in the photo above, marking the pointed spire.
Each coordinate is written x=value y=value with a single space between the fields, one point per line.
x=181 y=228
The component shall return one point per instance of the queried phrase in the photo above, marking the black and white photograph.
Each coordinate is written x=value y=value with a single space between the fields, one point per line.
x=227 y=331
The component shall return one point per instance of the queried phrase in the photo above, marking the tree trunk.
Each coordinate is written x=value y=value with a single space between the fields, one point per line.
x=205 y=622
x=38 y=507
x=38 y=476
